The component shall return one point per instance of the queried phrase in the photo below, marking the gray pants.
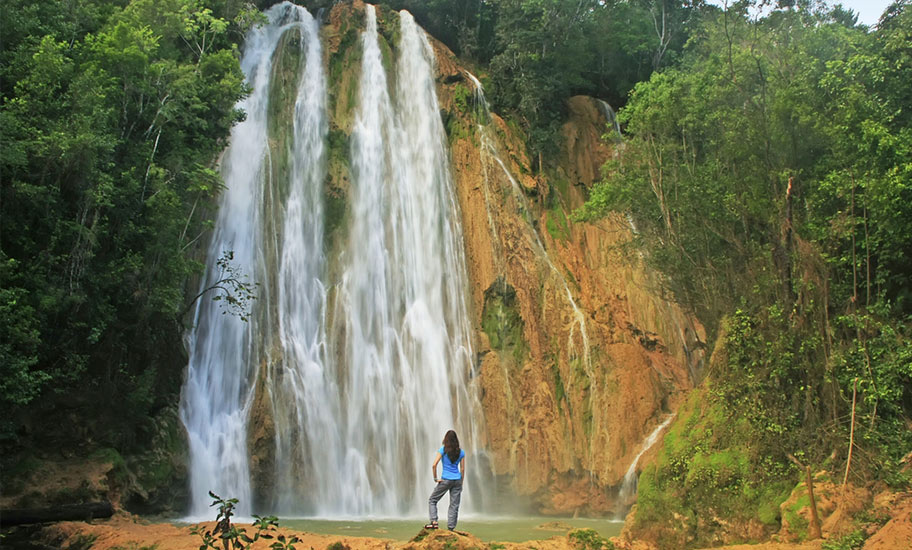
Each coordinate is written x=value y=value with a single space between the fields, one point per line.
x=454 y=486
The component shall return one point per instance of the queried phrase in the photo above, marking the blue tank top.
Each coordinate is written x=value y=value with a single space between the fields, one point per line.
x=451 y=469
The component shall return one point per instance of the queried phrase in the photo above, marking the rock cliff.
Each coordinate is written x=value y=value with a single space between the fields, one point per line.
x=580 y=354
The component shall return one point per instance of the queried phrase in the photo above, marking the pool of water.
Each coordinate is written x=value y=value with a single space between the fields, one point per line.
x=486 y=529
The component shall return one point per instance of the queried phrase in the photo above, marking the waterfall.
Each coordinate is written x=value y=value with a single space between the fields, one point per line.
x=303 y=392
x=400 y=315
x=362 y=361
x=612 y=121
x=629 y=485
x=225 y=351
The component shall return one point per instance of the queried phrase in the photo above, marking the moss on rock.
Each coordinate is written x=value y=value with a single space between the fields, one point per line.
x=159 y=476
x=704 y=487
x=557 y=224
x=336 y=186
x=502 y=322
x=283 y=93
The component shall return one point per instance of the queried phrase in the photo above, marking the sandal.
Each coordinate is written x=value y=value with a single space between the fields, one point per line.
x=431 y=525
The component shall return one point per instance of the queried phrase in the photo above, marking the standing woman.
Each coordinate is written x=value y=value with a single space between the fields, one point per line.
x=450 y=480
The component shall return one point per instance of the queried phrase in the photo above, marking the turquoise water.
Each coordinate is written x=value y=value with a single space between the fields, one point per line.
x=488 y=530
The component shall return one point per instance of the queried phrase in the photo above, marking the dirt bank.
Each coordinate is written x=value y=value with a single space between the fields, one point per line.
x=130 y=533
x=126 y=532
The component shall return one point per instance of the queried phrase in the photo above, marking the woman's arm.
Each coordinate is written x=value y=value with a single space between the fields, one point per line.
x=462 y=467
x=434 y=467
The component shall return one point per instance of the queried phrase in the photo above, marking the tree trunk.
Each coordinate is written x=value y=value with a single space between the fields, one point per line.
x=787 y=288
x=814 y=527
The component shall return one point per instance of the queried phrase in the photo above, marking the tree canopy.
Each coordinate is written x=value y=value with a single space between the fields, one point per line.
x=112 y=115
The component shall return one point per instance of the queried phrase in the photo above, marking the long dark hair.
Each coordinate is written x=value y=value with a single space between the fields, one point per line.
x=451 y=446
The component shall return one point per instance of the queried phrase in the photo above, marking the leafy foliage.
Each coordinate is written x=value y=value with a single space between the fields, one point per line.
x=708 y=466
x=588 y=539
x=538 y=53
x=465 y=27
x=852 y=541
x=113 y=113
x=549 y=50
x=233 y=288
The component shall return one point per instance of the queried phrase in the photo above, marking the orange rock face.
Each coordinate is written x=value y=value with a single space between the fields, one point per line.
x=603 y=357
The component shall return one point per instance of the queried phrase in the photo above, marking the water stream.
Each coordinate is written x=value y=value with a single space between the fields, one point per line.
x=577 y=335
x=629 y=485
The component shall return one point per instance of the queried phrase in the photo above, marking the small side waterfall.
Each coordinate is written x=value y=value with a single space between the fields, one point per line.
x=577 y=343
x=353 y=366
x=629 y=486
x=612 y=121
x=489 y=150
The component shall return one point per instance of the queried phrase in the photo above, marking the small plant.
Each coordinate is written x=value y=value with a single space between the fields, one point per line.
x=450 y=543
x=338 y=546
x=226 y=536
x=588 y=539
x=233 y=288
x=873 y=517
x=853 y=541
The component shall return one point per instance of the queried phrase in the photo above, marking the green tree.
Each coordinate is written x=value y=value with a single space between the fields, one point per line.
x=549 y=50
x=767 y=177
x=112 y=114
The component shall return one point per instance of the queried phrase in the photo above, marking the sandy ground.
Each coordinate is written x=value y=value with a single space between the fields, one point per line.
x=127 y=532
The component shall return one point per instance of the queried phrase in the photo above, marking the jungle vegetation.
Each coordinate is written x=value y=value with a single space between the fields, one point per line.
x=768 y=174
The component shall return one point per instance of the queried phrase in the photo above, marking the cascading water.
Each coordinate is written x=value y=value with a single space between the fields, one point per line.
x=618 y=137
x=225 y=351
x=400 y=315
x=362 y=370
x=303 y=392
x=489 y=150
